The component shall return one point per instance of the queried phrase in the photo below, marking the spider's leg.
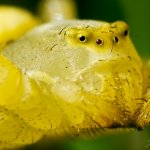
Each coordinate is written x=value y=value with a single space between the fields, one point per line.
x=13 y=129
x=30 y=103
x=14 y=22
x=144 y=113
x=10 y=79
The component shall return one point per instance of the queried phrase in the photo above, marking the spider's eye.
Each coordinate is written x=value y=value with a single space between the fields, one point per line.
x=126 y=32
x=99 y=42
x=82 y=38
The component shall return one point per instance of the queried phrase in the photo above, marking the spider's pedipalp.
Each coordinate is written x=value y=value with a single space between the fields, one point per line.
x=143 y=117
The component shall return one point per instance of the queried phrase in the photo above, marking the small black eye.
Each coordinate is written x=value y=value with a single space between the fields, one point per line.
x=116 y=39
x=82 y=38
x=99 y=41
x=126 y=32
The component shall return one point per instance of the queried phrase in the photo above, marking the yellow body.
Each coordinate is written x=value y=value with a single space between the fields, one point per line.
x=69 y=78
x=14 y=22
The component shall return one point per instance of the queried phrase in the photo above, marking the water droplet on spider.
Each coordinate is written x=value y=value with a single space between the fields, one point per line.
x=115 y=119
x=116 y=87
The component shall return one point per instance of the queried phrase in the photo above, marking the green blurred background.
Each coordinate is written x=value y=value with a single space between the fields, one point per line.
x=137 y=14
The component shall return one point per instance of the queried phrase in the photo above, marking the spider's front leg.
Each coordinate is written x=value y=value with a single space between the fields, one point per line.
x=143 y=113
x=13 y=129
x=28 y=111
x=14 y=22
x=10 y=79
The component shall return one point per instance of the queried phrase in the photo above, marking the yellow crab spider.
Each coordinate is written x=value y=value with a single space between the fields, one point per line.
x=69 y=78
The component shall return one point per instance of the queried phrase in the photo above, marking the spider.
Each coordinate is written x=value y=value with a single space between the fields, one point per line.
x=68 y=78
